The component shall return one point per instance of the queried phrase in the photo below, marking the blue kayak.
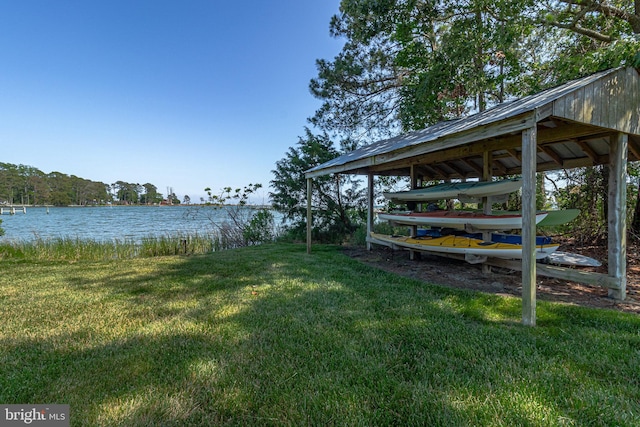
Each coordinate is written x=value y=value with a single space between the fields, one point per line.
x=515 y=239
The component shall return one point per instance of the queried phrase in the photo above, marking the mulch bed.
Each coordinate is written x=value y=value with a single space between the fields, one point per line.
x=459 y=274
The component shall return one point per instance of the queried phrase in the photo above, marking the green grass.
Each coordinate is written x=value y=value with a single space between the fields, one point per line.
x=270 y=335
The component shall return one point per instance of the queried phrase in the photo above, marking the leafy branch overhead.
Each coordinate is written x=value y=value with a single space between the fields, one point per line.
x=409 y=64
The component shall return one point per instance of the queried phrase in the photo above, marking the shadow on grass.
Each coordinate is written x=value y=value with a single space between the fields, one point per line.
x=272 y=335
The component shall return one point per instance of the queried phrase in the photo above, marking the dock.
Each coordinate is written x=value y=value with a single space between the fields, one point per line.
x=12 y=210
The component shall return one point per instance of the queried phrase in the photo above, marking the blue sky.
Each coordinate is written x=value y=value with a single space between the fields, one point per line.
x=185 y=93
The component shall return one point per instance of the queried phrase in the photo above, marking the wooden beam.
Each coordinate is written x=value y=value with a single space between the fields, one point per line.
x=432 y=173
x=472 y=165
x=456 y=169
x=556 y=272
x=567 y=164
x=370 y=216
x=546 y=136
x=549 y=151
x=421 y=172
x=415 y=183
x=487 y=175
x=633 y=148
x=513 y=153
x=496 y=164
x=443 y=173
x=588 y=151
x=529 y=144
x=568 y=130
x=455 y=139
x=463 y=144
x=564 y=273
x=456 y=153
x=617 y=244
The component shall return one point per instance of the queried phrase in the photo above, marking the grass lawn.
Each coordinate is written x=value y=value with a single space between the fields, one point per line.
x=270 y=335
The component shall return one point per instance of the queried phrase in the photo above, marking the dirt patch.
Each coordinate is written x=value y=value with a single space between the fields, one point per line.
x=459 y=274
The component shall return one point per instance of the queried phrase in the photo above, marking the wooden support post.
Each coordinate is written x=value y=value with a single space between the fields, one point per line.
x=309 y=216
x=487 y=175
x=370 y=215
x=529 y=143
x=617 y=243
x=414 y=255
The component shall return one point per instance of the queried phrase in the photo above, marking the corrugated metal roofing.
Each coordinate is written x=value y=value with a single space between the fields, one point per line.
x=442 y=130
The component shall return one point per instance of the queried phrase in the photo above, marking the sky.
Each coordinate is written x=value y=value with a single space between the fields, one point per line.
x=186 y=94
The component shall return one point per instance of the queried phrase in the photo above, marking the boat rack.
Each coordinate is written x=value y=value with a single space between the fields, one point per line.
x=556 y=272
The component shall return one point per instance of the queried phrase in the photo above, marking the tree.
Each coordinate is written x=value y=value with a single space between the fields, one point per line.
x=61 y=189
x=27 y=185
x=128 y=193
x=588 y=36
x=151 y=195
x=337 y=200
x=408 y=64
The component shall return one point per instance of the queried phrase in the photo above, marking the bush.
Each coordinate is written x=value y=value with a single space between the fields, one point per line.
x=261 y=228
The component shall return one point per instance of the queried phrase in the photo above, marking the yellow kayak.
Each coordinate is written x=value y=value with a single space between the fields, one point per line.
x=462 y=245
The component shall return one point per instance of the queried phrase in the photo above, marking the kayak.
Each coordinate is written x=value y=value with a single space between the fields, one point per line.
x=554 y=217
x=462 y=245
x=457 y=190
x=495 y=237
x=459 y=219
x=567 y=258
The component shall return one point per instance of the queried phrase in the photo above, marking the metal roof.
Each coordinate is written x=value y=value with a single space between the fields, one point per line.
x=574 y=121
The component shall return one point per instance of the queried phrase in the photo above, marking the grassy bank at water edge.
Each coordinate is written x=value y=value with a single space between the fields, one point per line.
x=269 y=335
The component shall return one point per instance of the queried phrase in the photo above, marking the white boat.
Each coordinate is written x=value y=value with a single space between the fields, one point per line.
x=462 y=245
x=462 y=220
x=471 y=190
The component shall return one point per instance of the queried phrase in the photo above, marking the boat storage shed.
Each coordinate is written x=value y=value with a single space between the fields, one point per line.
x=591 y=121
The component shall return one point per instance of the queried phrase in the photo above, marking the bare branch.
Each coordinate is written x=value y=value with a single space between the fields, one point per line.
x=607 y=9
x=596 y=35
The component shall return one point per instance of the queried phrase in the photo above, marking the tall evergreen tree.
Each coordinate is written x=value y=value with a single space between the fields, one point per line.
x=410 y=63
x=407 y=64
x=337 y=199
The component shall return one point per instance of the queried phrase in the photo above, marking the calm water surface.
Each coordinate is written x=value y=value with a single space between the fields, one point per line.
x=108 y=223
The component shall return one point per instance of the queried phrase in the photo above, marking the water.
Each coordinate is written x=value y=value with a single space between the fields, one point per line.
x=109 y=223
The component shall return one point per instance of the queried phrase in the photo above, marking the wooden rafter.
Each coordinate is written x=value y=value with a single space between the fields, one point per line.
x=443 y=173
x=497 y=164
x=456 y=169
x=588 y=151
x=546 y=136
x=549 y=151
x=431 y=172
x=633 y=148
x=472 y=165
x=513 y=153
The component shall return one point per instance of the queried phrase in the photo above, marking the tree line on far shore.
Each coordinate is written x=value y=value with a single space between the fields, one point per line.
x=27 y=185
